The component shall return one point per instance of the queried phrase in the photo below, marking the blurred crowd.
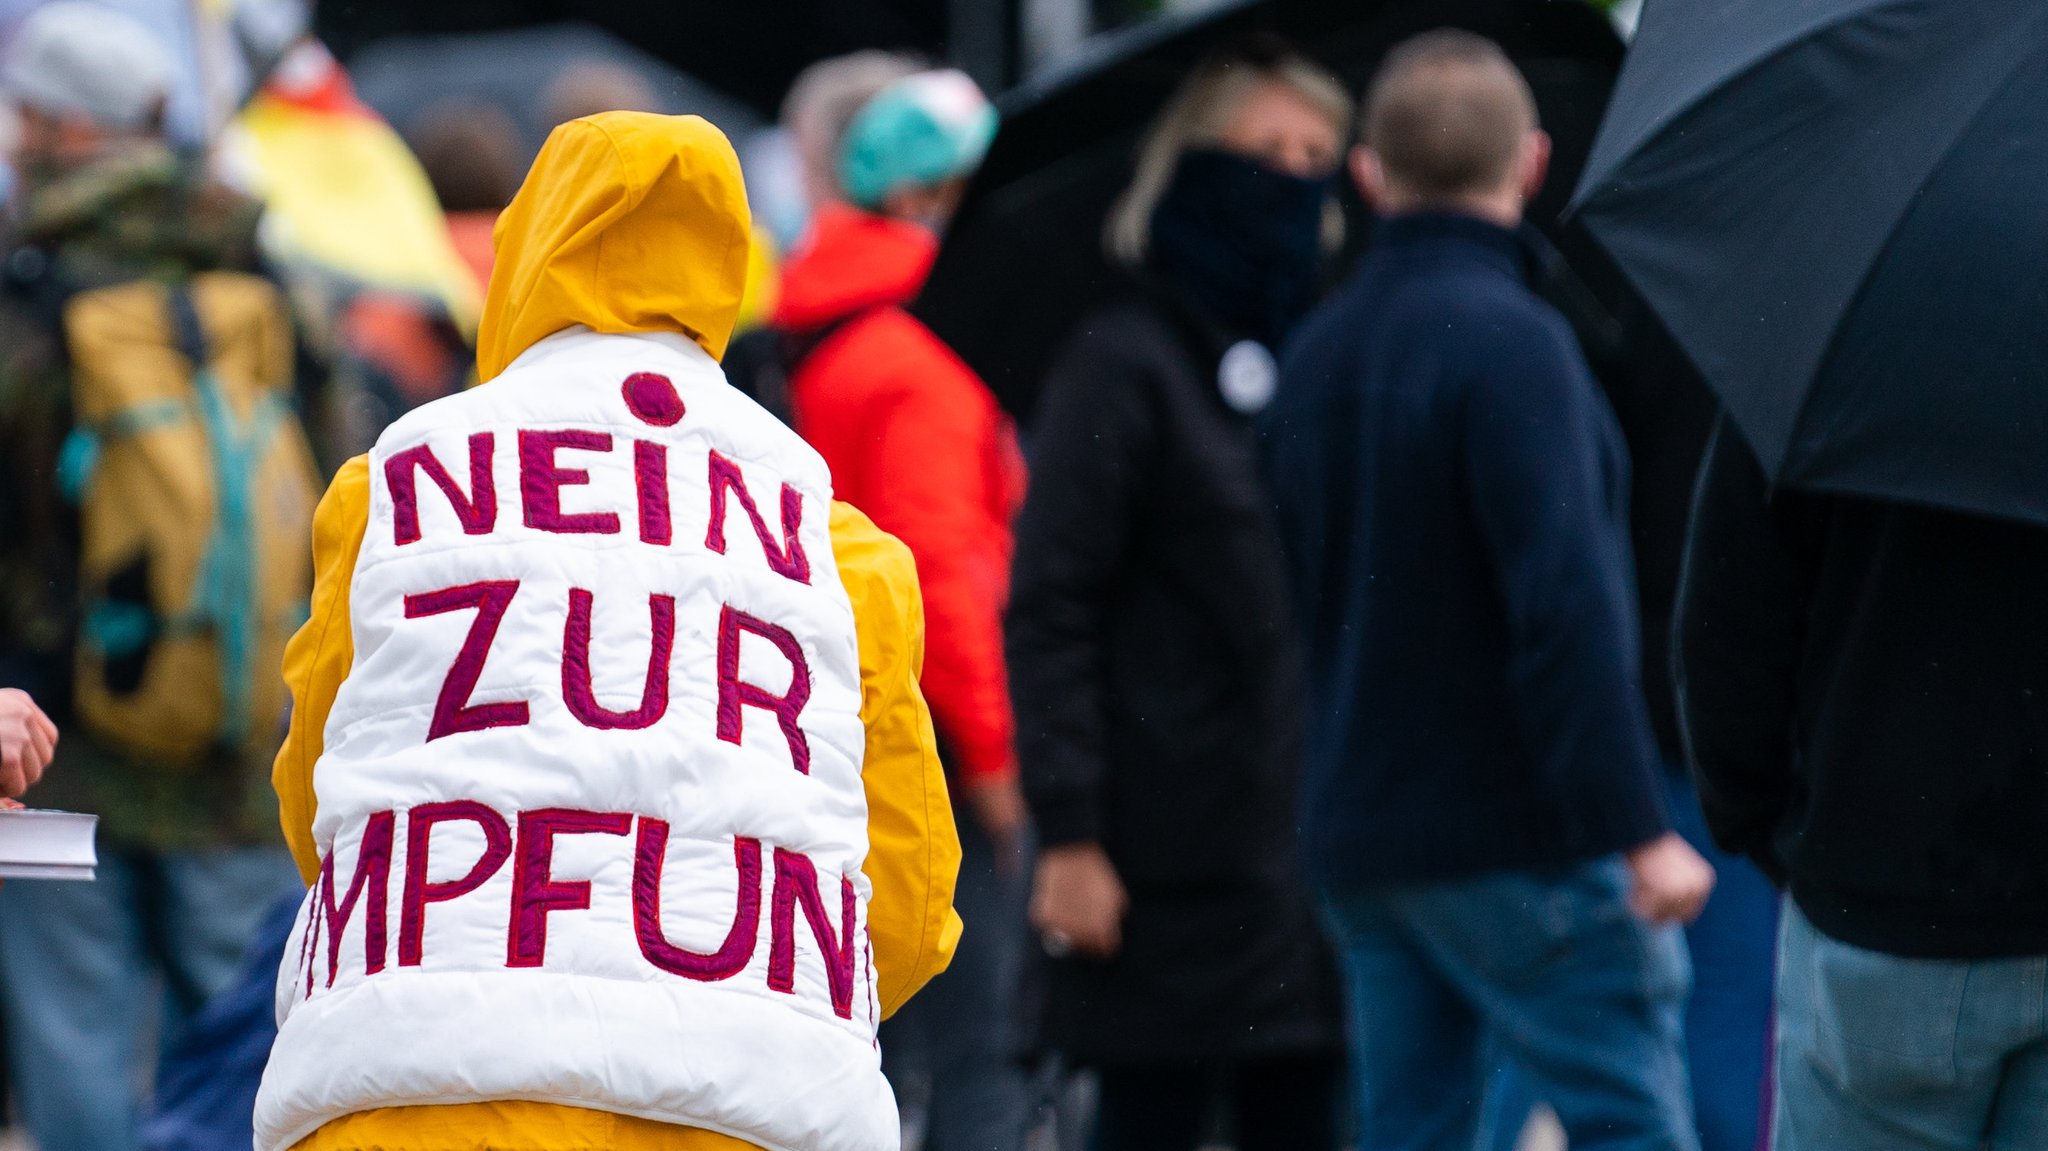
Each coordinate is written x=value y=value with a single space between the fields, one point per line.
x=1285 y=658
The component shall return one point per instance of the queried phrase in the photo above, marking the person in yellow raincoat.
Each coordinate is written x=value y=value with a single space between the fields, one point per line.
x=489 y=957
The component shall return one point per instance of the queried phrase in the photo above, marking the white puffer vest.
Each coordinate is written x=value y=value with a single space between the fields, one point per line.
x=590 y=807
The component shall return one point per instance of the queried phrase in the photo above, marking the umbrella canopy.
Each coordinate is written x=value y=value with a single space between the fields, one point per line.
x=1835 y=207
x=750 y=50
x=518 y=69
x=1022 y=263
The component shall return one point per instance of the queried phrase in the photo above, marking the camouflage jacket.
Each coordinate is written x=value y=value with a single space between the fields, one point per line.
x=140 y=213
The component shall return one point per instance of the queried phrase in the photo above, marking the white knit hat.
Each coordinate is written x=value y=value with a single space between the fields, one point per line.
x=72 y=57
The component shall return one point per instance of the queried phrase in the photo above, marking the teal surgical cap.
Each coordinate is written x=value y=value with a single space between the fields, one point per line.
x=920 y=131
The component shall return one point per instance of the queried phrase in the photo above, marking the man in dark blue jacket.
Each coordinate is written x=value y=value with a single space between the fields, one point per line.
x=1482 y=808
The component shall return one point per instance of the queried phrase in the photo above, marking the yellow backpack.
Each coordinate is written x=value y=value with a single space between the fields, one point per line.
x=195 y=488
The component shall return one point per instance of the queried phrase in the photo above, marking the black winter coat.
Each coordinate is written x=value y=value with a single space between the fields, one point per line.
x=1156 y=681
x=1865 y=693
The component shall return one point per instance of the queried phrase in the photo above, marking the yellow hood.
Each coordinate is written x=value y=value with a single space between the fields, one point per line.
x=628 y=222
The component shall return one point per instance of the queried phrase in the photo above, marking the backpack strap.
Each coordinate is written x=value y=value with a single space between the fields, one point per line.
x=30 y=276
x=186 y=327
x=798 y=346
x=226 y=596
x=762 y=362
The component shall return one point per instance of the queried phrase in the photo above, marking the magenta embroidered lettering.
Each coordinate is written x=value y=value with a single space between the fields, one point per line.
x=372 y=876
x=650 y=483
x=453 y=713
x=419 y=830
x=874 y=1007
x=535 y=891
x=576 y=685
x=734 y=693
x=541 y=481
x=796 y=884
x=785 y=559
x=477 y=510
x=733 y=955
x=796 y=887
x=308 y=952
x=652 y=399
x=313 y=918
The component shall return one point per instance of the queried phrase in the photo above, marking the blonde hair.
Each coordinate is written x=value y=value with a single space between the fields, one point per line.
x=1195 y=118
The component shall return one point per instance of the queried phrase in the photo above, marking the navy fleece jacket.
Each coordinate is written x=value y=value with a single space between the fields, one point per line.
x=1452 y=493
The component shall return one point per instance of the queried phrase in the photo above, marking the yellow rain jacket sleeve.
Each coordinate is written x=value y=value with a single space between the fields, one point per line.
x=632 y=222
x=318 y=657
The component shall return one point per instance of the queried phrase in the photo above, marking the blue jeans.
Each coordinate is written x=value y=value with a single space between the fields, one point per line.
x=1733 y=946
x=1733 y=949
x=1879 y=1053
x=959 y=1034
x=92 y=973
x=1548 y=971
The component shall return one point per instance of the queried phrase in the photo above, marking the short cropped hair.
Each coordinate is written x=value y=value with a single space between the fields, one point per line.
x=1446 y=113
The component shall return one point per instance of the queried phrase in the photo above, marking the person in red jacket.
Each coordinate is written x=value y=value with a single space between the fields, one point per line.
x=917 y=441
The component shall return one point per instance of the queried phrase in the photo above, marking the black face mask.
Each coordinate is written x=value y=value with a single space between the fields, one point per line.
x=1243 y=241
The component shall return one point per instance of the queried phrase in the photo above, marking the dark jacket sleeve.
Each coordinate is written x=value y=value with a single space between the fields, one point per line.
x=1088 y=453
x=1738 y=631
x=38 y=525
x=1546 y=486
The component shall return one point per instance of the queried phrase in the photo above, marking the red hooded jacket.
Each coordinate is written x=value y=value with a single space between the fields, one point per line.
x=915 y=440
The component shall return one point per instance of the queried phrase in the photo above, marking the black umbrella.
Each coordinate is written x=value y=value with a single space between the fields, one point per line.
x=1836 y=206
x=515 y=68
x=1022 y=262
x=751 y=50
